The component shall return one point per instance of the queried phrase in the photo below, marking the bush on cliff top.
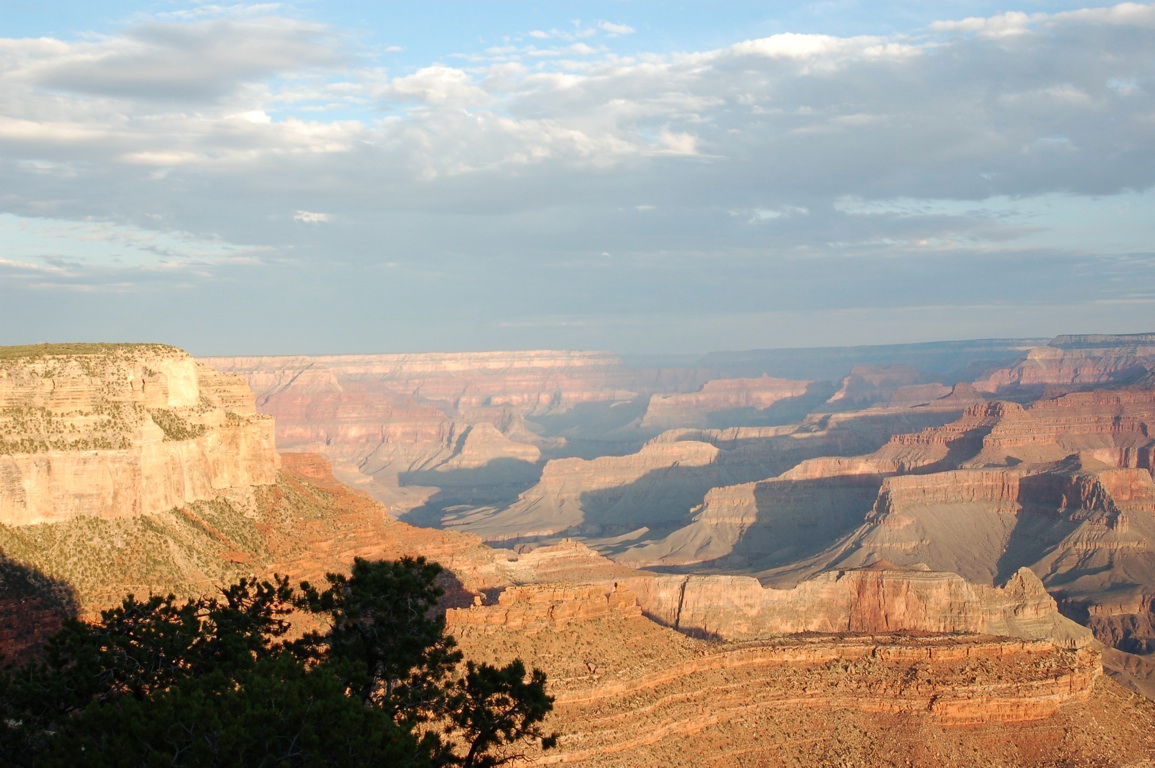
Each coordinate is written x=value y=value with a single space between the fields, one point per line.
x=216 y=681
x=27 y=351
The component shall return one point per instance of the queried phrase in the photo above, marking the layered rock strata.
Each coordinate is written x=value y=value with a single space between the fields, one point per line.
x=870 y=384
x=110 y=431
x=880 y=598
x=401 y=426
x=644 y=496
x=1072 y=362
x=694 y=409
x=631 y=693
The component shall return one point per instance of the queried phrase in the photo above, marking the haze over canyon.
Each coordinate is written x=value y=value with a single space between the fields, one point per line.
x=773 y=383
x=760 y=558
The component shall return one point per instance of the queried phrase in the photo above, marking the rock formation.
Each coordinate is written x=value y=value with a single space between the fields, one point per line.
x=718 y=400
x=1073 y=362
x=878 y=599
x=116 y=431
x=632 y=693
x=393 y=424
x=845 y=651
x=870 y=384
x=645 y=496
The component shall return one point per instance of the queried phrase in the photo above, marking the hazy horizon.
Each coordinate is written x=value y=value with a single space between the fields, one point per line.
x=635 y=177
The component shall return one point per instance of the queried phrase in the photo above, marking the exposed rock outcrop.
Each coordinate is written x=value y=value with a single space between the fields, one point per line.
x=631 y=693
x=1073 y=362
x=541 y=608
x=880 y=598
x=111 y=431
x=694 y=409
x=393 y=424
x=870 y=384
x=899 y=646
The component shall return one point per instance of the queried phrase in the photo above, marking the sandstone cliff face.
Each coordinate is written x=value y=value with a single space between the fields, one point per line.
x=631 y=693
x=790 y=517
x=1062 y=486
x=570 y=581
x=577 y=494
x=915 y=451
x=878 y=599
x=543 y=608
x=125 y=431
x=1075 y=362
x=762 y=524
x=338 y=399
x=1115 y=427
x=1087 y=531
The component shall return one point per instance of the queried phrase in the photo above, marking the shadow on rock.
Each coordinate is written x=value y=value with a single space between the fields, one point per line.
x=32 y=608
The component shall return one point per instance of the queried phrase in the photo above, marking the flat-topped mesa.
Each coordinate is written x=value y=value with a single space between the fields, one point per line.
x=558 y=501
x=1089 y=532
x=109 y=431
x=64 y=377
x=978 y=417
x=1077 y=362
x=878 y=599
x=1085 y=340
x=1113 y=427
x=997 y=487
x=912 y=451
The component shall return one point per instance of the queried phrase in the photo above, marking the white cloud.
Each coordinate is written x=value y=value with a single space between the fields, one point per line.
x=1002 y=25
x=161 y=158
x=544 y=150
x=615 y=30
x=191 y=62
x=791 y=46
x=438 y=85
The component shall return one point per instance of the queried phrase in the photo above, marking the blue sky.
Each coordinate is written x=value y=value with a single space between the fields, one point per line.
x=633 y=176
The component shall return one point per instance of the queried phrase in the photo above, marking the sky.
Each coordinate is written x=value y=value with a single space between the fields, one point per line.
x=628 y=175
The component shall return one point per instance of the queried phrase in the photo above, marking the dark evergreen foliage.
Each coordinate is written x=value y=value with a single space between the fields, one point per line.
x=215 y=682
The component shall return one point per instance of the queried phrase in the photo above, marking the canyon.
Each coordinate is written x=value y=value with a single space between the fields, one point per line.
x=973 y=458
x=921 y=560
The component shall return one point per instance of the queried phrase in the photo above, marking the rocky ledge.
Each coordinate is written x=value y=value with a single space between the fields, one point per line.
x=116 y=430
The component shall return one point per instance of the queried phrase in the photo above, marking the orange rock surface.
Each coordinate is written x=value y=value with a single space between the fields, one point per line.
x=126 y=432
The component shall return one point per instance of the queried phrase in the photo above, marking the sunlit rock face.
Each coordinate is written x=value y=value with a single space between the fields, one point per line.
x=1077 y=361
x=630 y=692
x=110 y=431
x=968 y=467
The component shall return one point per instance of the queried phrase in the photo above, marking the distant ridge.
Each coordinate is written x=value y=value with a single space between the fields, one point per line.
x=1086 y=340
